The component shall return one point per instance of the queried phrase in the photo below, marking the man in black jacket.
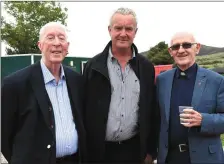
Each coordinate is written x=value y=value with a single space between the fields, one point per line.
x=120 y=115
x=41 y=107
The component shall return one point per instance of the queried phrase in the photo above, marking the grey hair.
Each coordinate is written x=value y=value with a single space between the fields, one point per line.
x=52 y=24
x=124 y=11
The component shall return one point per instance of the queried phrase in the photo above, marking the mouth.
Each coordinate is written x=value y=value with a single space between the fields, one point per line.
x=122 y=41
x=182 y=56
x=56 y=52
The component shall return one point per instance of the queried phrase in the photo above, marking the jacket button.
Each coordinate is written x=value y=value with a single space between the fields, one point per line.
x=48 y=146
x=50 y=109
x=166 y=145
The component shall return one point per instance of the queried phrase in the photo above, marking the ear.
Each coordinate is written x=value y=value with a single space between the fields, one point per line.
x=39 y=45
x=109 y=29
x=198 y=47
x=136 y=30
x=170 y=52
x=67 y=48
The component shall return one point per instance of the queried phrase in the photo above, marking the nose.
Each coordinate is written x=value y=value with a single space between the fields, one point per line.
x=56 y=41
x=181 y=49
x=123 y=32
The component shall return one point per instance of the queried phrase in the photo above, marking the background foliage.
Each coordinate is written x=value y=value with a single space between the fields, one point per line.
x=159 y=54
x=21 y=33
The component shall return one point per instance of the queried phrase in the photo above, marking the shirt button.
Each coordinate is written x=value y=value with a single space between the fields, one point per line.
x=48 y=146
x=122 y=98
x=50 y=109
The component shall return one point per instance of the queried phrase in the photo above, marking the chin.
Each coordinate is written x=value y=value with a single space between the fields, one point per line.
x=56 y=61
x=123 y=46
x=183 y=62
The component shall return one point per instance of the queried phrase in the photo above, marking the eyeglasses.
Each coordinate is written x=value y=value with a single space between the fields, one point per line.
x=185 y=45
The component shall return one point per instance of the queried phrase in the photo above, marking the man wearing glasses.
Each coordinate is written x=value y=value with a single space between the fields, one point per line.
x=191 y=101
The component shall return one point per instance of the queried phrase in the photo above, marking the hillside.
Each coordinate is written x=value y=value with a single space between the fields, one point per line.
x=208 y=50
x=205 y=50
x=211 y=61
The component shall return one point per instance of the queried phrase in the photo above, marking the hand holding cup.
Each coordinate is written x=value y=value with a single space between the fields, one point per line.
x=189 y=117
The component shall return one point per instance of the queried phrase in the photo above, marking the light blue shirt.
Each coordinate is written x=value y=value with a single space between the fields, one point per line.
x=65 y=129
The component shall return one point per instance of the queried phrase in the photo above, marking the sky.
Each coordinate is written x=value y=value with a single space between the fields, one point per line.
x=157 y=21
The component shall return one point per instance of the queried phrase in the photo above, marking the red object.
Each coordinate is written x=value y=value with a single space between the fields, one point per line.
x=162 y=68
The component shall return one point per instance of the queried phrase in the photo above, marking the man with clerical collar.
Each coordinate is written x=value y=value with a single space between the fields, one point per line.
x=120 y=114
x=189 y=73
x=191 y=102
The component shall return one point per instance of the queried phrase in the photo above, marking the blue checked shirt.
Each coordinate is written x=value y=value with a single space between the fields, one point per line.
x=66 y=134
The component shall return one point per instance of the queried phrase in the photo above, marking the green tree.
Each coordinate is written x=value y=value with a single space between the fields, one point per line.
x=159 y=54
x=22 y=32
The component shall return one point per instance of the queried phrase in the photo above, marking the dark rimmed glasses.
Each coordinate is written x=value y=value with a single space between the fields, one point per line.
x=185 y=45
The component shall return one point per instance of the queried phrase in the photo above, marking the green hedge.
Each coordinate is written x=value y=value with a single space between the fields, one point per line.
x=222 y=138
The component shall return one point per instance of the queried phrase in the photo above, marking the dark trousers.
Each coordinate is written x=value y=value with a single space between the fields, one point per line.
x=176 y=157
x=124 y=152
x=70 y=159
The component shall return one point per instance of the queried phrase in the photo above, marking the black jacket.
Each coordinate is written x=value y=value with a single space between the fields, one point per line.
x=98 y=96
x=28 y=133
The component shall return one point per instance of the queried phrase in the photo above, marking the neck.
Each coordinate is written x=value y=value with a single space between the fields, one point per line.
x=122 y=54
x=54 y=69
x=185 y=67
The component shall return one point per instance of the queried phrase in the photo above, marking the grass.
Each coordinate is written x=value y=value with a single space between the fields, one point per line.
x=211 y=61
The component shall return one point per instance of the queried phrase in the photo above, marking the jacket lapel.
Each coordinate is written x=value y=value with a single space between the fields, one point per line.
x=198 y=87
x=168 y=83
x=72 y=90
x=37 y=83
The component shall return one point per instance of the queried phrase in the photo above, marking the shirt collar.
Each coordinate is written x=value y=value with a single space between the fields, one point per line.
x=111 y=57
x=188 y=73
x=48 y=77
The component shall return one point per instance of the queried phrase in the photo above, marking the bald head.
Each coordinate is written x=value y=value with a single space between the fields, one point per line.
x=180 y=35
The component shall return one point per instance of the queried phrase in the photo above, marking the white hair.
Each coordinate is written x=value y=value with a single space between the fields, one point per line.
x=53 y=24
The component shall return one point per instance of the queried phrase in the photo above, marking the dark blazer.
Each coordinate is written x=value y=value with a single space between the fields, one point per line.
x=27 y=121
x=98 y=96
x=208 y=98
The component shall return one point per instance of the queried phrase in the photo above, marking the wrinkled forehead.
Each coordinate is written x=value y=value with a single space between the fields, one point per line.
x=54 y=30
x=181 y=38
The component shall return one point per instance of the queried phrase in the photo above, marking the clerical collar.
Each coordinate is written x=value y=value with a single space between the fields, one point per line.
x=188 y=73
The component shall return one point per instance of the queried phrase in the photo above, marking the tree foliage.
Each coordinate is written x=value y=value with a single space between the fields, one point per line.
x=159 y=54
x=21 y=34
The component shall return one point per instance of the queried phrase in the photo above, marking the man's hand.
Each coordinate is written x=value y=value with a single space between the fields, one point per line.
x=191 y=117
x=148 y=159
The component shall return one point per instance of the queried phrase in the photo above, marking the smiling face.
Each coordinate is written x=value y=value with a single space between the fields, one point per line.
x=122 y=31
x=53 y=45
x=184 y=57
